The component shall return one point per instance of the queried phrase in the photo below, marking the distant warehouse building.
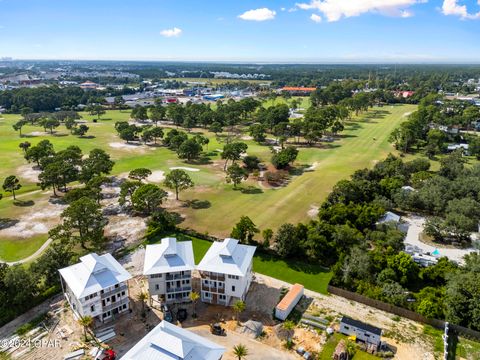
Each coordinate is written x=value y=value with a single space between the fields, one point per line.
x=289 y=301
x=214 y=97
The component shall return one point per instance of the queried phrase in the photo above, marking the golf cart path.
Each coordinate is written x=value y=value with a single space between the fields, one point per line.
x=31 y=257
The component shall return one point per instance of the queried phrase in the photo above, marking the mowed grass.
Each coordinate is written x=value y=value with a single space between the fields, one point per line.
x=314 y=277
x=363 y=143
x=268 y=208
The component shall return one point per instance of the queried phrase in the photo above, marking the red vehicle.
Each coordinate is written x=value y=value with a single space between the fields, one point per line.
x=107 y=355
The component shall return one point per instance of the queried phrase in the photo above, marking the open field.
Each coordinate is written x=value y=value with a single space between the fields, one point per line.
x=362 y=143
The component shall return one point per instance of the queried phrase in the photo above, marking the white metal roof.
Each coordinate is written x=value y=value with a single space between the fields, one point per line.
x=389 y=217
x=94 y=273
x=169 y=256
x=227 y=257
x=169 y=342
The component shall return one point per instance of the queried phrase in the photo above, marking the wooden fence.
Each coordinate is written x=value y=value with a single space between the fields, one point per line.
x=412 y=315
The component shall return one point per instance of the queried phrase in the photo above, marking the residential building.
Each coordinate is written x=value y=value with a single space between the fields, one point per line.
x=169 y=342
x=366 y=333
x=96 y=286
x=168 y=267
x=226 y=272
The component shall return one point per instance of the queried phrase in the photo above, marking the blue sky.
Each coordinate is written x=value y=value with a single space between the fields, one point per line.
x=291 y=31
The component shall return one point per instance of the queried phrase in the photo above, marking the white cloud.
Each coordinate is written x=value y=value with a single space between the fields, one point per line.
x=452 y=7
x=316 y=18
x=334 y=10
x=258 y=15
x=175 y=32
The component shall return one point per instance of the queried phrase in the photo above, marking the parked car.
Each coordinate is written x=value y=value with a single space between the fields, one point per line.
x=216 y=329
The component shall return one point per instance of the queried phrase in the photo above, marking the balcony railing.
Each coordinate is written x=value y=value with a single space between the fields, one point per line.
x=178 y=276
x=178 y=289
x=114 y=305
x=114 y=291
x=220 y=290
x=212 y=276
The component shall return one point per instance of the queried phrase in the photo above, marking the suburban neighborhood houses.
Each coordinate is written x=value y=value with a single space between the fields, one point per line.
x=96 y=287
x=226 y=272
x=168 y=267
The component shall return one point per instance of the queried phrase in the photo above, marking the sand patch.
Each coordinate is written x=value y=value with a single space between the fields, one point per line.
x=313 y=212
x=27 y=172
x=184 y=168
x=129 y=147
x=407 y=114
x=313 y=166
x=38 y=133
x=246 y=137
x=125 y=227
x=157 y=176
x=39 y=220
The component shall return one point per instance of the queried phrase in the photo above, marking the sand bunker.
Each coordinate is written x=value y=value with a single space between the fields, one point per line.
x=27 y=172
x=184 y=168
x=312 y=167
x=156 y=177
x=125 y=146
x=313 y=212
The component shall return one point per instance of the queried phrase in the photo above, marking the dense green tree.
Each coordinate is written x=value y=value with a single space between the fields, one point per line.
x=11 y=184
x=236 y=174
x=244 y=230
x=178 y=180
x=139 y=174
x=147 y=198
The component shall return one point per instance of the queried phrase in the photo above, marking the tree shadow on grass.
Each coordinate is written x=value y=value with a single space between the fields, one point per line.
x=5 y=223
x=59 y=134
x=24 y=203
x=252 y=190
x=294 y=264
x=204 y=160
x=198 y=204
x=87 y=137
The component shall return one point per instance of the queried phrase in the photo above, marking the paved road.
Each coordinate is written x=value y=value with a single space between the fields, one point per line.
x=415 y=228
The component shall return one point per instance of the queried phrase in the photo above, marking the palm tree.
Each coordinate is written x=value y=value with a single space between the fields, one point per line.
x=142 y=297
x=194 y=296
x=86 y=322
x=238 y=308
x=240 y=351
x=351 y=348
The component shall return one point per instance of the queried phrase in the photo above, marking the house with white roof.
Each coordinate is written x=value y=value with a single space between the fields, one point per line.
x=96 y=286
x=169 y=342
x=226 y=272
x=168 y=267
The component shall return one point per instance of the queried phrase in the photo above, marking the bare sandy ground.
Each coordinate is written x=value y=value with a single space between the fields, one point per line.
x=39 y=219
x=157 y=176
x=313 y=212
x=27 y=172
x=313 y=166
x=129 y=147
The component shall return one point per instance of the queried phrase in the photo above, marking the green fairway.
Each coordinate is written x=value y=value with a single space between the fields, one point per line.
x=313 y=277
x=363 y=142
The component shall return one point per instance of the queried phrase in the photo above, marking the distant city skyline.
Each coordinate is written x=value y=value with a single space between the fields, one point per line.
x=302 y=31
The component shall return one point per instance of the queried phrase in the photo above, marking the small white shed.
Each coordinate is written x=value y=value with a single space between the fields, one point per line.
x=289 y=301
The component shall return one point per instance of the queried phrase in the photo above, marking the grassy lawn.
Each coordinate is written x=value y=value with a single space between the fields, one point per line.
x=465 y=349
x=362 y=144
x=313 y=277
x=331 y=344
